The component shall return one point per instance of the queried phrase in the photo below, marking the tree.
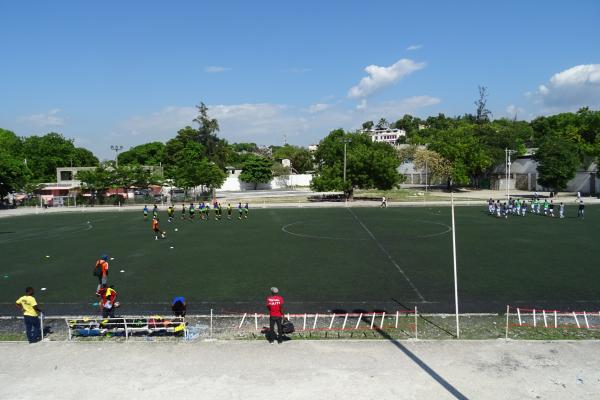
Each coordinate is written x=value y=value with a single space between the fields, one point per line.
x=14 y=173
x=46 y=153
x=458 y=143
x=482 y=114
x=558 y=161
x=300 y=157
x=152 y=153
x=408 y=124
x=370 y=165
x=382 y=124
x=367 y=126
x=435 y=165
x=256 y=170
x=210 y=174
x=96 y=180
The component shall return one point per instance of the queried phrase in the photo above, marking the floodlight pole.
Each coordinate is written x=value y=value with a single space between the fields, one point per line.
x=454 y=259
x=117 y=148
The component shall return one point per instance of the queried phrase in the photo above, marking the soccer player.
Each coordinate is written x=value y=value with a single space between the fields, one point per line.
x=229 y=211
x=156 y=229
x=201 y=211
x=536 y=205
x=581 y=211
x=518 y=207
x=192 y=211
x=101 y=271
x=551 y=208
x=240 y=210
x=546 y=206
x=383 y=202
x=155 y=211
x=108 y=297
x=178 y=306
x=524 y=208
x=491 y=206
x=275 y=307
x=183 y=211
x=28 y=305
x=171 y=212
x=219 y=212
x=561 y=210
x=246 y=211
x=145 y=212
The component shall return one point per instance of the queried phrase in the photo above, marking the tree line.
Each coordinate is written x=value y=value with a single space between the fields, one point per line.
x=461 y=150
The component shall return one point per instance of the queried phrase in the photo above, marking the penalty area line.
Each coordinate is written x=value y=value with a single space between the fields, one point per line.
x=388 y=255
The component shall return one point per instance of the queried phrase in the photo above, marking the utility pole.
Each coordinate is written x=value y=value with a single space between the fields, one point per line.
x=345 y=160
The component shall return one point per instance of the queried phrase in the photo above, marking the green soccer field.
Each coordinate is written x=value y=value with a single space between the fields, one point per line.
x=321 y=259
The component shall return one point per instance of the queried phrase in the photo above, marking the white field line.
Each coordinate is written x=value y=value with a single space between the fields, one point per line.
x=387 y=255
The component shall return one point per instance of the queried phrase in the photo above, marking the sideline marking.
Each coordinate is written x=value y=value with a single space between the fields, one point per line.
x=284 y=229
x=388 y=255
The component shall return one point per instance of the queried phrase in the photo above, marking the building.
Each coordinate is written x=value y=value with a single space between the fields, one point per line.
x=387 y=135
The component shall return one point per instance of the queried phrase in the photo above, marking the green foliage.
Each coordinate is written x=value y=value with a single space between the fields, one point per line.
x=558 y=161
x=459 y=143
x=300 y=157
x=257 y=170
x=409 y=124
x=46 y=153
x=369 y=165
x=96 y=180
x=152 y=153
x=14 y=172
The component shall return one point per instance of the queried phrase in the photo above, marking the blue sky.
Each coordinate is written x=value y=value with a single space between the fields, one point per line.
x=131 y=72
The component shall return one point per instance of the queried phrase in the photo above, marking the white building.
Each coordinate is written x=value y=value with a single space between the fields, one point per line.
x=387 y=135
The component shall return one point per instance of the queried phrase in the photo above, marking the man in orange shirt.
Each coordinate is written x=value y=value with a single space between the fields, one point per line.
x=101 y=271
x=156 y=229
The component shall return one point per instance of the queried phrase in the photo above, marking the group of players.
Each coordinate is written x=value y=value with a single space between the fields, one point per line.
x=189 y=212
x=535 y=206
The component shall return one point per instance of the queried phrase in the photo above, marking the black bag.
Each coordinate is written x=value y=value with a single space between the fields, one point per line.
x=98 y=270
x=287 y=326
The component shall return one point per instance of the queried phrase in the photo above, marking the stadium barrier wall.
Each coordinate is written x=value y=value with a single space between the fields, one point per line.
x=550 y=319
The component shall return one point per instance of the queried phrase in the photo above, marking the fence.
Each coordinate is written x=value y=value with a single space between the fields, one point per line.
x=551 y=319
x=227 y=326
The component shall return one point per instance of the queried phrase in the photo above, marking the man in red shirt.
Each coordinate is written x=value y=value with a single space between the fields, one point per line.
x=275 y=306
x=108 y=303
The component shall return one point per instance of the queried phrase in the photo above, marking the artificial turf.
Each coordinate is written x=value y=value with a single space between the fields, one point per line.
x=321 y=259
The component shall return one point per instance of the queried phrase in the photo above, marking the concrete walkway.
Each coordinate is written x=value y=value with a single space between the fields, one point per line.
x=301 y=370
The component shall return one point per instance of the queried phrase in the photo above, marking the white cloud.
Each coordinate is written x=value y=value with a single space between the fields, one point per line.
x=414 y=47
x=362 y=104
x=392 y=110
x=570 y=89
x=381 y=77
x=162 y=124
x=50 y=118
x=318 y=107
x=216 y=69
x=513 y=111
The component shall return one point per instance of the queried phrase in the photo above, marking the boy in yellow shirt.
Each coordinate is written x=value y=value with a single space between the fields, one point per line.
x=31 y=312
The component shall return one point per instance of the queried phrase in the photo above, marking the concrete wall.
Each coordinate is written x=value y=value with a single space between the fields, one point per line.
x=233 y=183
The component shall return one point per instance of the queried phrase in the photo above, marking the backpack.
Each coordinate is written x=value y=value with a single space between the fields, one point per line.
x=287 y=326
x=98 y=270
